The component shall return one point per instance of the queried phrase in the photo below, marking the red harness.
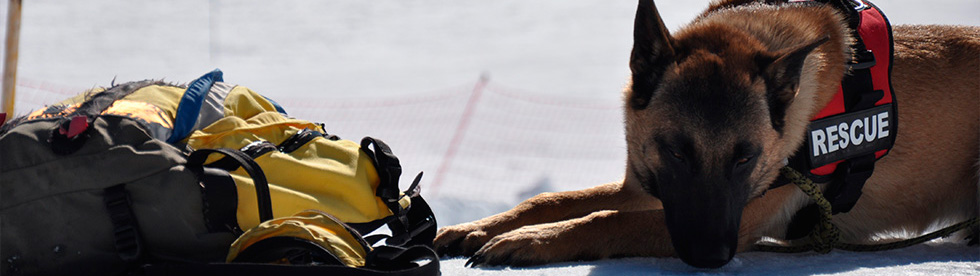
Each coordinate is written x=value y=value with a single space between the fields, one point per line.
x=860 y=123
x=875 y=33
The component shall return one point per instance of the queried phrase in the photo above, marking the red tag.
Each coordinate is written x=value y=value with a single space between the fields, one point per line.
x=77 y=126
x=3 y=118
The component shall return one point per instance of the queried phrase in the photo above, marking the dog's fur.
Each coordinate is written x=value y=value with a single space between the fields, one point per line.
x=711 y=113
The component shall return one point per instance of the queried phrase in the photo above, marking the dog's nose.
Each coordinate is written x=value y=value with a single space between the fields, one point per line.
x=708 y=257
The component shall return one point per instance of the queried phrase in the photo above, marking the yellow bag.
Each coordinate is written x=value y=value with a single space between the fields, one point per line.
x=334 y=176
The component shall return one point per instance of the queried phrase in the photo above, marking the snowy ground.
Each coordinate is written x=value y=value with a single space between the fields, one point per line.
x=930 y=259
x=548 y=119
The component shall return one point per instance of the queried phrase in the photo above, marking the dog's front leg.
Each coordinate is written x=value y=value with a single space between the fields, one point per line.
x=599 y=235
x=617 y=233
x=465 y=239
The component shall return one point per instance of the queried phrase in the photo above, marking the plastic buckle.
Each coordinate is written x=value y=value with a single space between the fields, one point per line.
x=864 y=60
x=859 y=5
x=851 y=175
x=415 y=189
x=258 y=148
x=412 y=231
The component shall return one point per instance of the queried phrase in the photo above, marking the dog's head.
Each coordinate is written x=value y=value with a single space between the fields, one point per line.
x=705 y=120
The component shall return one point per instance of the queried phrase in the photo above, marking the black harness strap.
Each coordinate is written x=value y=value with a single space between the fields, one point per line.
x=849 y=178
x=128 y=241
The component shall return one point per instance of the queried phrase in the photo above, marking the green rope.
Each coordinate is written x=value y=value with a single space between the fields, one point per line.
x=826 y=236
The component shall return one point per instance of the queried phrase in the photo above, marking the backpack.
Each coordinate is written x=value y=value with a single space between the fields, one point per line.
x=151 y=178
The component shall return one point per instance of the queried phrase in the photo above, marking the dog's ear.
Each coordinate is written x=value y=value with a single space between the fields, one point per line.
x=652 y=53
x=781 y=72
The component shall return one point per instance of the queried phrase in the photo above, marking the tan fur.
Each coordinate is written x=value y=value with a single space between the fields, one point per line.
x=929 y=179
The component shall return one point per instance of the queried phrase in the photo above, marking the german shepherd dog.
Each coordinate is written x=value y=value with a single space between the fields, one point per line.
x=711 y=114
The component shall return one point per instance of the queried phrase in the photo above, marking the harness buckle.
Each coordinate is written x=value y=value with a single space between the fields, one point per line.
x=849 y=180
x=863 y=60
x=859 y=5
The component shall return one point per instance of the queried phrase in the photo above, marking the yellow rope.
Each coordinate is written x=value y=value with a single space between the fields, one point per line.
x=826 y=236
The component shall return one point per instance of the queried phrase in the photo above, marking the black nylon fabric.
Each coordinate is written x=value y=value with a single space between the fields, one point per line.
x=55 y=220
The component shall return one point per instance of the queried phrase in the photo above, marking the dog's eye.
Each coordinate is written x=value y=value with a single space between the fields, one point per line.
x=676 y=155
x=744 y=160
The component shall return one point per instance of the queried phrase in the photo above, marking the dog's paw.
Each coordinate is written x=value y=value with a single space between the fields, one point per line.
x=527 y=246
x=460 y=240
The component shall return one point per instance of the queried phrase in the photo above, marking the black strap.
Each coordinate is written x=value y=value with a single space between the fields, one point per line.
x=389 y=170
x=220 y=199
x=264 y=197
x=421 y=227
x=128 y=241
x=396 y=258
x=388 y=167
x=415 y=226
x=258 y=148
x=849 y=177
x=299 y=139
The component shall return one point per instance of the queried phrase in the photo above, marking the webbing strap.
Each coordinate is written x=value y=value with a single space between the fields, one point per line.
x=220 y=199
x=275 y=105
x=189 y=108
x=297 y=140
x=415 y=226
x=190 y=104
x=262 y=193
x=128 y=241
x=389 y=170
x=388 y=167
x=401 y=260
x=421 y=225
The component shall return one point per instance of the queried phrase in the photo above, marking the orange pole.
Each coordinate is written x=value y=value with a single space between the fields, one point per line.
x=10 y=62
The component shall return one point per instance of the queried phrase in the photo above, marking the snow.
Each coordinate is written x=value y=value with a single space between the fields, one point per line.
x=548 y=119
x=927 y=259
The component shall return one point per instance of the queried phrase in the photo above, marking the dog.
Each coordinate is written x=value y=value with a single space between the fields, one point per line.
x=711 y=114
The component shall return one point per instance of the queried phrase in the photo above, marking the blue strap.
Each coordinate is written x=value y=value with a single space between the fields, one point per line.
x=189 y=107
x=275 y=104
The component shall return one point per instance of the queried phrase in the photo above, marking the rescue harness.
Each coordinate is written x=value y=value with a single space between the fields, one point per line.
x=845 y=139
x=859 y=124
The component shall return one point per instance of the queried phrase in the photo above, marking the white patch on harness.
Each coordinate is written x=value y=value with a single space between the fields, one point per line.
x=850 y=134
